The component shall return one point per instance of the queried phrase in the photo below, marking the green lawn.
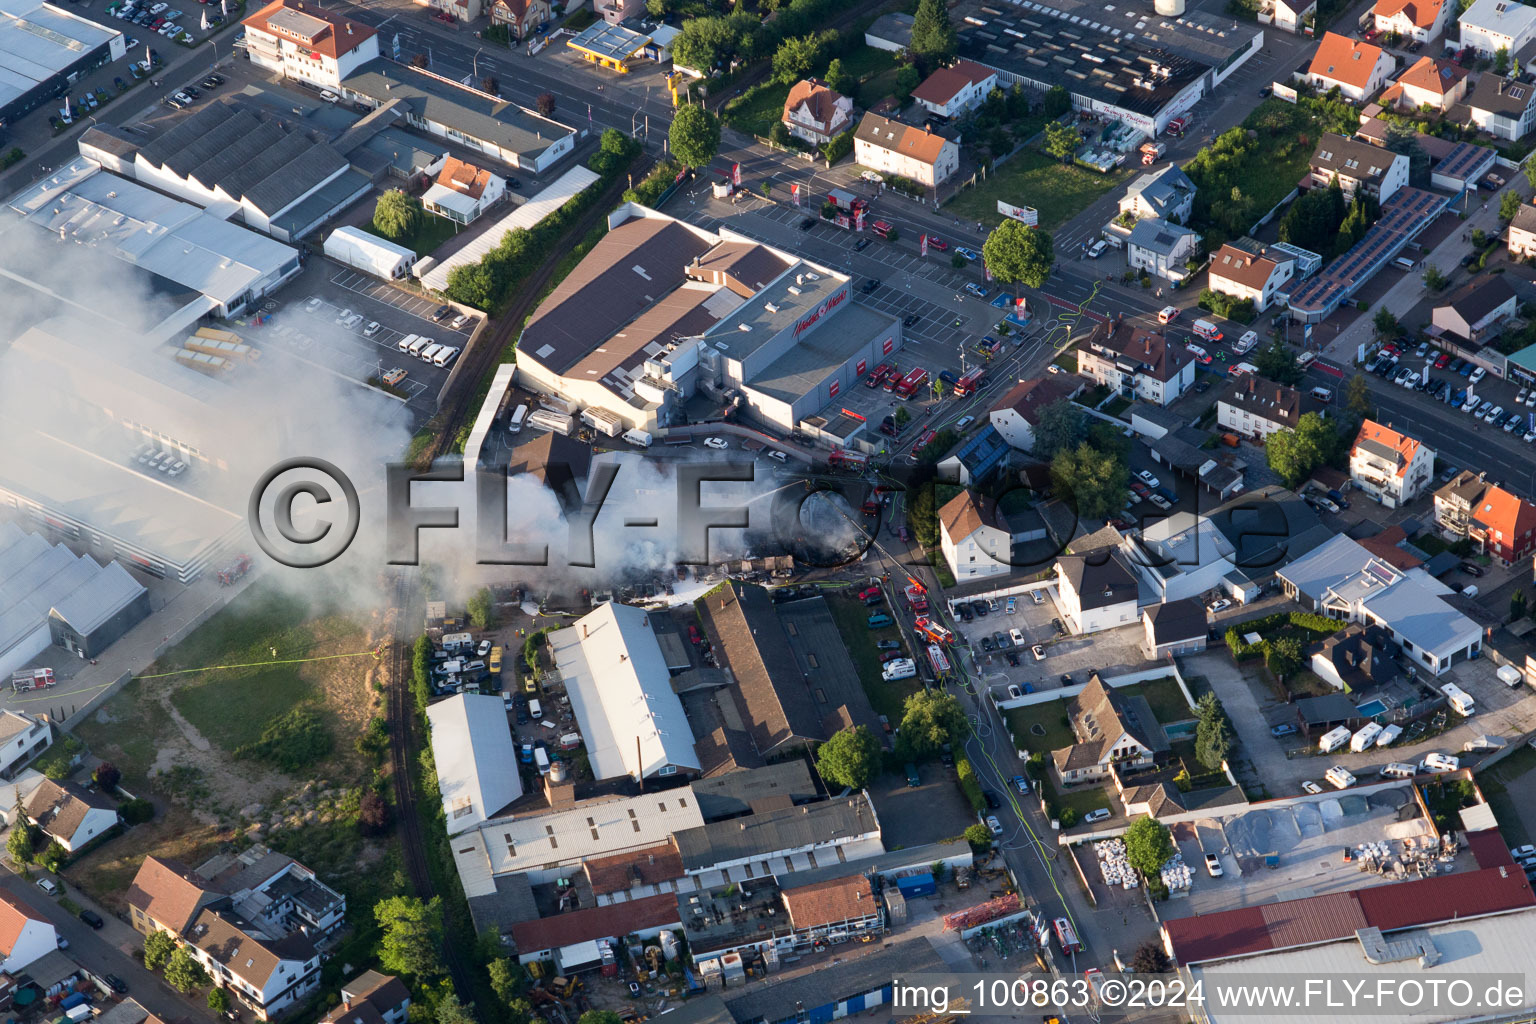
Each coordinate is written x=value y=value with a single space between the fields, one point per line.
x=758 y=109
x=263 y=695
x=1050 y=717
x=866 y=61
x=1080 y=800
x=433 y=232
x=852 y=618
x=1059 y=191
x=876 y=88
x=257 y=620
x=1164 y=696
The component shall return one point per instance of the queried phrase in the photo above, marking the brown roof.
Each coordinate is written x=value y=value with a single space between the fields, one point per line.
x=1385 y=547
x=59 y=809
x=1265 y=399
x=746 y=268
x=830 y=901
x=726 y=750
x=249 y=957
x=332 y=35
x=366 y=998
x=814 y=94
x=1345 y=60
x=908 y=140
x=14 y=916
x=1436 y=76
x=1245 y=268
x=614 y=920
x=965 y=513
x=650 y=865
x=1151 y=349
x=1028 y=397
x=463 y=177
x=169 y=893
x=944 y=84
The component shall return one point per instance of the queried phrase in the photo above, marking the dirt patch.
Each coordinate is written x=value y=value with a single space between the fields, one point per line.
x=107 y=871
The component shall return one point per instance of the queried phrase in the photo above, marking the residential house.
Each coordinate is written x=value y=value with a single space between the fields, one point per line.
x=166 y=896
x=815 y=113
x=1252 y=406
x=25 y=934
x=522 y=17
x=1415 y=21
x=308 y=43
x=977 y=459
x=1501 y=106
x=276 y=892
x=1175 y=628
x=974 y=537
x=616 y=12
x=887 y=145
x=371 y=998
x=1017 y=413
x=1475 y=312
x=1355 y=67
x=1357 y=165
x=1503 y=524
x=1096 y=590
x=1360 y=656
x=1431 y=82
x=833 y=909
x=463 y=191
x=955 y=90
x=1345 y=581
x=1162 y=248
x=1137 y=362
x=1288 y=15
x=1167 y=193
x=1489 y=26
x=70 y=814
x=1390 y=467
x=1112 y=730
x=22 y=738
x=1258 y=277
x=1522 y=231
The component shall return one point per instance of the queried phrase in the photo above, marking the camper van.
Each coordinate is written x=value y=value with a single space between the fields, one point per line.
x=898 y=669
x=1365 y=738
x=1510 y=676
x=456 y=641
x=1398 y=770
x=1339 y=777
x=1459 y=699
x=1334 y=740
x=515 y=423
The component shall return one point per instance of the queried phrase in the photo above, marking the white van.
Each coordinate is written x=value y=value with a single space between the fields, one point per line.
x=1322 y=395
x=1305 y=359
x=445 y=356
x=419 y=344
x=639 y=437
x=515 y=424
x=1398 y=770
x=429 y=353
x=1207 y=330
x=1404 y=263
x=1459 y=699
x=534 y=710
x=541 y=759
x=1439 y=763
x=1247 y=342
x=406 y=342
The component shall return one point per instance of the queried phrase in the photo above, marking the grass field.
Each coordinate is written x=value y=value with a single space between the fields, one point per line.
x=1164 y=696
x=1059 y=191
x=757 y=109
x=853 y=623
x=1050 y=718
x=432 y=232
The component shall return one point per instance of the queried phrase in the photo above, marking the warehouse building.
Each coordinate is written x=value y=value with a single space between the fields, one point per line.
x=44 y=51
x=660 y=309
x=476 y=120
x=51 y=596
x=1126 y=63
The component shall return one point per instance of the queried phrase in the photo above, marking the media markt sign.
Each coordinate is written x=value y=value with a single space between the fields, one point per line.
x=1024 y=214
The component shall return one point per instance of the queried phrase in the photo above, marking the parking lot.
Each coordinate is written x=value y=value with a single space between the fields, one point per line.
x=1075 y=657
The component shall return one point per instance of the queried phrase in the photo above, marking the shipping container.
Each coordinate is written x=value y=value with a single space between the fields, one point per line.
x=602 y=421
x=202 y=362
x=911 y=886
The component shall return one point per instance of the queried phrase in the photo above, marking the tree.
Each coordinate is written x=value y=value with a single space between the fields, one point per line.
x=694 y=136
x=507 y=979
x=1017 y=254
x=1057 y=102
x=1213 y=737
x=929 y=720
x=1148 y=845
x=420 y=61
x=218 y=1000
x=545 y=103
x=53 y=858
x=490 y=84
x=933 y=38
x=1276 y=362
x=1517 y=606
x=184 y=973
x=1357 y=397
x=907 y=79
x=1062 y=140
x=1509 y=205
x=1384 y=323
x=779 y=135
x=1501 y=60
x=481 y=609
x=451 y=1011
x=1060 y=428
x=850 y=758
x=600 y=1017
x=978 y=835
x=795 y=58
x=838 y=79
x=1095 y=479
x=1150 y=958
x=1294 y=454
x=413 y=935
x=22 y=839
x=1434 y=280
x=107 y=776
x=397 y=215
x=373 y=814
x=1282 y=656
x=158 y=947
x=1313 y=221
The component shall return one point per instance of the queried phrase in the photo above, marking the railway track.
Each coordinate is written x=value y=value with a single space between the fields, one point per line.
x=407 y=823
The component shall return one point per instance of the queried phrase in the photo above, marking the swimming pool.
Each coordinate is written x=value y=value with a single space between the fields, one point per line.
x=1372 y=708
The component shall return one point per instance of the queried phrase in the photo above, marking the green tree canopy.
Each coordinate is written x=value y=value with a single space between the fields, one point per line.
x=218 y=1000
x=1277 y=362
x=1313 y=220
x=481 y=609
x=1384 y=323
x=22 y=839
x=978 y=835
x=1213 y=736
x=1294 y=454
x=600 y=1017
x=1509 y=205
x=1057 y=101
x=507 y=978
x=934 y=41
x=1282 y=656
x=1096 y=479
x=1357 y=397
x=1017 y=254
x=451 y=1011
x=1148 y=845
x=929 y=720
x=1062 y=140
x=907 y=79
x=1060 y=428
x=397 y=215
x=158 y=947
x=412 y=935
x=694 y=136
x=850 y=758
x=837 y=78
x=184 y=973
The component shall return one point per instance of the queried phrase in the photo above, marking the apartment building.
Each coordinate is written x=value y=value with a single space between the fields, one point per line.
x=1489 y=26
x=974 y=537
x=1413 y=20
x=1258 y=277
x=1389 y=466
x=923 y=155
x=1503 y=524
x=1357 y=165
x=1501 y=106
x=1254 y=407
x=304 y=41
x=1137 y=362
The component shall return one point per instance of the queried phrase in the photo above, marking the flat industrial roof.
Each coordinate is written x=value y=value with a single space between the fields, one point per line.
x=806 y=367
x=39 y=41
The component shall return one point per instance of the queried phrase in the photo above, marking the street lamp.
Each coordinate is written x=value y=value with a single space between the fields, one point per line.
x=475 y=64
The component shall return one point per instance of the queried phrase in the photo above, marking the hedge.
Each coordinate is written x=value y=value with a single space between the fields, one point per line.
x=969 y=784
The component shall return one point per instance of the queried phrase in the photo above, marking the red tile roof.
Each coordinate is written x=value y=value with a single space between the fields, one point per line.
x=830 y=902
x=614 y=920
x=1422 y=13
x=819 y=98
x=463 y=177
x=1436 y=76
x=650 y=865
x=1345 y=60
x=945 y=84
x=1507 y=513
x=1405 y=446
x=13 y=918
x=337 y=36
x=1317 y=919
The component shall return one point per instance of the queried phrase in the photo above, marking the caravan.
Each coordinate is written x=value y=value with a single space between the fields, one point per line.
x=1365 y=738
x=1334 y=740
x=1459 y=699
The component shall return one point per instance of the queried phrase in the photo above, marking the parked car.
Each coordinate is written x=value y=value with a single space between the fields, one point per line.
x=1146 y=477
x=1213 y=865
x=1102 y=814
x=1308 y=786
x=1472 y=569
x=994 y=825
x=1283 y=729
x=92 y=918
x=48 y=886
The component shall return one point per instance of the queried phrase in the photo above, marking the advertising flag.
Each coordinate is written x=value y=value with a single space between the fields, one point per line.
x=923 y=245
x=794 y=191
x=736 y=175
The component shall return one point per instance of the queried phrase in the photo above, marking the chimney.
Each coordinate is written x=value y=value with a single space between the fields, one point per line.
x=583 y=630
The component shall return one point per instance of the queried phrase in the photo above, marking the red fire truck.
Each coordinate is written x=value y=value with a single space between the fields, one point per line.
x=933 y=631
x=970 y=382
x=939 y=661
x=911 y=382
x=917 y=599
x=841 y=458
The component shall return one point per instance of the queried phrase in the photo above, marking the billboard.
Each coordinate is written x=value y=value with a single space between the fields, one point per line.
x=1023 y=214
